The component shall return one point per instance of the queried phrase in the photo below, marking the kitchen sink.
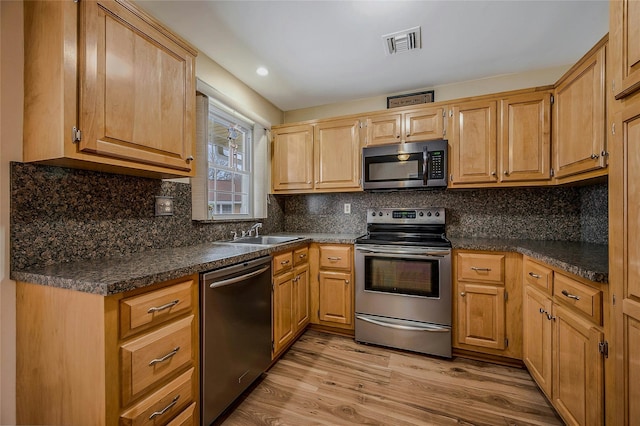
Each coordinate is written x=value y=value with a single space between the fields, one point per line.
x=265 y=240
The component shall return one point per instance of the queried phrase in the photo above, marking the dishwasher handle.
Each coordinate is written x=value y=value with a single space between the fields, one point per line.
x=240 y=278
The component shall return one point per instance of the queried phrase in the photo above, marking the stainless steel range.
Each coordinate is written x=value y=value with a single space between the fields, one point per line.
x=403 y=281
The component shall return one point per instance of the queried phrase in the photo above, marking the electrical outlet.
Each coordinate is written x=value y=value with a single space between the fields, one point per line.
x=347 y=208
x=164 y=206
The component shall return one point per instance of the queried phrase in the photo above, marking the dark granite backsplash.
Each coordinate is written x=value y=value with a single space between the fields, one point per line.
x=552 y=213
x=63 y=215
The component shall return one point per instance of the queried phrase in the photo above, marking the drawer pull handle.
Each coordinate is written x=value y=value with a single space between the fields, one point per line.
x=164 y=358
x=570 y=296
x=550 y=317
x=334 y=258
x=284 y=262
x=542 y=311
x=163 y=307
x=474 y=268
x=165 y=409
x=535 y=275
x=302 y=256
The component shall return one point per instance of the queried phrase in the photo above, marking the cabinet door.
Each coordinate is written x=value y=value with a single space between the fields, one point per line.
x=525 y=137
x=292 y=162
x=481 y=320
x=383 y=129
x=283 y=309
x=625 y=275
x=301 y=294
x=578 y=369
x=137 y=89
x=335 y=298
x=425 y=124
x=337 y=154
x=579 y=119
x=473 y=143
x=624 y=40
x=536 y=351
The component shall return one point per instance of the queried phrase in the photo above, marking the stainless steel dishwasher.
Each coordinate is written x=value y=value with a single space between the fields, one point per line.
x=235 y=346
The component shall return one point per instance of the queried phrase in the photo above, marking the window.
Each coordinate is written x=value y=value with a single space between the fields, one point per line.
x=232 y=160
x=229 y=169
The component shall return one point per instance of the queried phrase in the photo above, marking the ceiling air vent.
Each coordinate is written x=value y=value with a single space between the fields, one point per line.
x=402 y=41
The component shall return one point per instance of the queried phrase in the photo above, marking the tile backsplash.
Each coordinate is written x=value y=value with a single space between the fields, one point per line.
x=550 y=213
x=64 y=215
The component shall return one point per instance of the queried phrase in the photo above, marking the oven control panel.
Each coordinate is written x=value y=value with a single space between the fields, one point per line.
x=429 y=215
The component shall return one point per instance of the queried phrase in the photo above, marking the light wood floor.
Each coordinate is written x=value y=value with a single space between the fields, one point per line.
x=330 y=380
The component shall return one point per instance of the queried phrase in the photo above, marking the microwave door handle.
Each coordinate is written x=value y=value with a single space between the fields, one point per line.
x=425 y=167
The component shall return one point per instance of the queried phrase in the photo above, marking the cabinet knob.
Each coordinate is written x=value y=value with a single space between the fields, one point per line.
x=463 y=294
x=594 y=156
x=346 y=281
x=302 y=256
x=506 y=173
x=550 y=317
x=542 y=311
x=493 y=173
x=189 y=159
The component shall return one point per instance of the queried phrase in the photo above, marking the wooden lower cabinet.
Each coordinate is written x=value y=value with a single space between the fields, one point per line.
x=88 y=359
x=290 y=297
x=487 y=303
x=562 y=342
x=332 y=286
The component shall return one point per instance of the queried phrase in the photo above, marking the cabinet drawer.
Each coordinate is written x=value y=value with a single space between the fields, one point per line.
x=301 y=256
x=146 y=310
x=538 y=275
x=155 y=356
x=481 y=267
x=581 y=297
x=163 y=404
x=282 y=262
x=186 y=418
x=335 y=257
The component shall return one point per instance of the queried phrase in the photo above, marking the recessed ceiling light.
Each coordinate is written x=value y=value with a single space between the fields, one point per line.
x=262 y=71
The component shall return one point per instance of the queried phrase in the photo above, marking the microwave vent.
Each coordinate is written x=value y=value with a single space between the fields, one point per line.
x=402 y=41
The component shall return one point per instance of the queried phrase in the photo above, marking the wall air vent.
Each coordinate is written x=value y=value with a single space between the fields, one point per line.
x=402 y=41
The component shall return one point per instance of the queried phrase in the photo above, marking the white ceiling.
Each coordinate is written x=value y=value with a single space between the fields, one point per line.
x=322 y=52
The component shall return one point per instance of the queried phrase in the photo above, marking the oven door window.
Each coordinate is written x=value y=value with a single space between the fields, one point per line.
x=414 y=277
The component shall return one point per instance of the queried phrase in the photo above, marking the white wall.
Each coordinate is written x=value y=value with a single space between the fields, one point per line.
x=447 y=92
x=11 y=94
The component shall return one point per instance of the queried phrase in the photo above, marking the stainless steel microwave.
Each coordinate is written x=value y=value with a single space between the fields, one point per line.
x=417 y=165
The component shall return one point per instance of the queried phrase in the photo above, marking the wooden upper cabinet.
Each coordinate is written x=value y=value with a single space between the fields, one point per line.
x=137 y=89
x=579 y=117
x=473 y=143
x=384 y=129
x=292 y=162
x=525 y=137
x=119 y=77
x=337 y=154
x=624 y=42
x=409 y=126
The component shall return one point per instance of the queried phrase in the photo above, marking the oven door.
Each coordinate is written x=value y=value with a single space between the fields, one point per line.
x=410 y=283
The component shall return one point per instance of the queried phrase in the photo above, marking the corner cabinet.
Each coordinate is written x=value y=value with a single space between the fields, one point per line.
x=579 y=116
x=316 y=157
x=87 y=359
x=108 y=88
x=562 y=341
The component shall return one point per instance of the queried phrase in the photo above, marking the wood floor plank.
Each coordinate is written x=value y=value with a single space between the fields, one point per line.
x=326 y=379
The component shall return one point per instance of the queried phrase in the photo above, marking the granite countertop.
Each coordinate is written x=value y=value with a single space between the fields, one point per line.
x=119 y=274
x=586 y=260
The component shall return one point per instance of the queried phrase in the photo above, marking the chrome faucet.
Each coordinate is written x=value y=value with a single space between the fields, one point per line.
x=255 y=228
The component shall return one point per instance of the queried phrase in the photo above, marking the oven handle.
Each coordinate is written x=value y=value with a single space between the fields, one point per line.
x=403 y=252
x=429 y=328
